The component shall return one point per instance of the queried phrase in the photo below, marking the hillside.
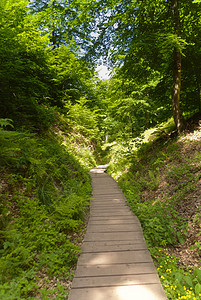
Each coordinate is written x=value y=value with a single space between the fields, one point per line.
x=45 y=191
x=162 y=182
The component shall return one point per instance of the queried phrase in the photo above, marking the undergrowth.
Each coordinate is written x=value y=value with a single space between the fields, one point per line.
x=157 y=178
x=45 y=193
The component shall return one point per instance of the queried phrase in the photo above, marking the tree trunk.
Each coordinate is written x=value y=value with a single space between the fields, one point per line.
x=177 y=114
x=53 y=38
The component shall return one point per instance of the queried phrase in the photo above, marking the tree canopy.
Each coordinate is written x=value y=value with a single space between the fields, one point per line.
x=50 y=48
x=144 y=38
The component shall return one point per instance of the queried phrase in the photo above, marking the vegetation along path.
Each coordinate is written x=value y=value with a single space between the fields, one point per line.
x=115 y=263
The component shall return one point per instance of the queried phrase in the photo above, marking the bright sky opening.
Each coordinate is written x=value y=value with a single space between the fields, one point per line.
x=103 y=72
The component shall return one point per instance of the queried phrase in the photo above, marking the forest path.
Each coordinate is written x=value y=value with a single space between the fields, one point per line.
x=115 y=263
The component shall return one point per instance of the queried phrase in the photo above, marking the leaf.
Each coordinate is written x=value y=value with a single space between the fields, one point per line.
x=198 y=288
x=188 y=281
x=6 y=122
x=178 y=277
x=197 y=273
x=180 y=237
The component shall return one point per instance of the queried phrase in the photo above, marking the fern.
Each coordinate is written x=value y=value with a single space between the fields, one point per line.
x=6 y=122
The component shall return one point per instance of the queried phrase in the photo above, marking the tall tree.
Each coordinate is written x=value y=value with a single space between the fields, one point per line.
x=33 y=76
x=23 y=80
x=177 y=114
x=150 y=36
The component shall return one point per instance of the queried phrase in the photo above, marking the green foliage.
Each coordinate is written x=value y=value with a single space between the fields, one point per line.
x=22 y=288
x=159 y=218
x=157 y=178
x=45 y=198
x=9 y=147
x=23 y=64
x=197 y=220
x=6 y=122
x=67 y=23
x=70 y=78
x=130 y=110
x=178 y=283
x=143 y=38
x=83 y=119
x=33 y=77
x=69 y=212
x=160 y=221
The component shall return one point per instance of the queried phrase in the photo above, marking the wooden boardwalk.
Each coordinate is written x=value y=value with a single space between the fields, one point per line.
x=115 y=263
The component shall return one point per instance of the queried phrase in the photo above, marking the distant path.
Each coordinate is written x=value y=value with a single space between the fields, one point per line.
x=115 y=263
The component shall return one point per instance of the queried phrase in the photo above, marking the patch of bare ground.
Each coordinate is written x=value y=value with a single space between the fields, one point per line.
x=187 y=153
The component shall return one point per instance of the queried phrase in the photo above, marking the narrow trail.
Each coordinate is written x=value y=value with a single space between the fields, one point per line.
x=115 y=263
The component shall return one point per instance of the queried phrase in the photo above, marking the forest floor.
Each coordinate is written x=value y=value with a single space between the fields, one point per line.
x=161 y=180
x=189 y=206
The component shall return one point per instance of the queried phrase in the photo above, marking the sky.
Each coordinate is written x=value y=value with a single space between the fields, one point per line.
x=103 y=72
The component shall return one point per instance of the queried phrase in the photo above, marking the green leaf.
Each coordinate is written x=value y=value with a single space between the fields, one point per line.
x=6 y=122
x=178 y=277
x=180 y=237
x=188 y=281
x=198 y=288
x=197 y=273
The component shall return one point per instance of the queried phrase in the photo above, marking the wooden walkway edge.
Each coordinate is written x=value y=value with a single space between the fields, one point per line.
x=115 y=263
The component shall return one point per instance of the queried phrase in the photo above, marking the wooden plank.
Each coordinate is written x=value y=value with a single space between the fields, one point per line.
x=114 y=236
x=117 y=269
x=102 y=281
x=115 y=213
x=109 y=221
x=113 y=227
x=114 y=218
x=108 y=258
x=136 y=292
x=115 y=246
